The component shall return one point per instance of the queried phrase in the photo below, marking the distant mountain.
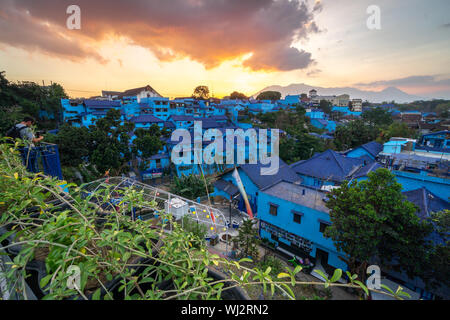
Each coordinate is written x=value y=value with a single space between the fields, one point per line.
x=388 y=94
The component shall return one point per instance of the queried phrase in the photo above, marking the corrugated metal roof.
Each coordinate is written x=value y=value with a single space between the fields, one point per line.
x=304 y=196
x=148 y=118
x=253 y=171
x=328 y=165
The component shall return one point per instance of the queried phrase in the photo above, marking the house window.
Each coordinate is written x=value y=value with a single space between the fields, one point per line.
x=297 y=217
x=158 y=163
x=273 y=209
x=274 y=237
x=323 y=226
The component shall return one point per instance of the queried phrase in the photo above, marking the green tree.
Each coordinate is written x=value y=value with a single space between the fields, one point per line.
x=110 y=143
x=247 y=241
x=354 y=134
x=201 y=93
x=377 y=117
x=41 y=102
x=74 y=144
x=373 y=223
x=396 y=129
x=146 y=144
x=238 y=96
x=443 y=110
x=437 y=272
x=269 y=95
x=300 y=147
x=191 y=186
x=325 y=106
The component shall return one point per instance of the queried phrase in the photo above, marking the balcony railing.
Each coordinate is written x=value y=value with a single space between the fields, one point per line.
x=43 y=158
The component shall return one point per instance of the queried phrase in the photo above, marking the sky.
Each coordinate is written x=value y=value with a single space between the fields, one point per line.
x=228 y=45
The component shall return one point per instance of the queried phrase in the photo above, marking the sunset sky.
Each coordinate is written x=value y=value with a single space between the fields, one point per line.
x=228 y=45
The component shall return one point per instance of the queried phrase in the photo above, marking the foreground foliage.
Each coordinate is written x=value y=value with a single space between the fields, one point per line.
x=118 y=258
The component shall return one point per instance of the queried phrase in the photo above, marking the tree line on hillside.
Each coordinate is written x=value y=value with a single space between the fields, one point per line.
x=21 y=99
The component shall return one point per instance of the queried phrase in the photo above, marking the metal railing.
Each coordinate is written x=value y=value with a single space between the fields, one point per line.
x=213 y=218
x=43 y=158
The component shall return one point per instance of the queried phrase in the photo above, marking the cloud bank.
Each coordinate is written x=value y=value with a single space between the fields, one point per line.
x=207 y=31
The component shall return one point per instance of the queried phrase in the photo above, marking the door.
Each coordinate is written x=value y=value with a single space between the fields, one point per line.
x=321 y=257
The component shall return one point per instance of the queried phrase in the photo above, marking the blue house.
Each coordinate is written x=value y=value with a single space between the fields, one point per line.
x=73 y=111
x=101 y=105
x=439 y=139
x=328 y=125
x=330 y=169
x=370 y=150
x=292 y=99
x=294 y=217
x=253 y=181
x=315 y=114
x=182 y=121
x=146 y=121
x=416 y=167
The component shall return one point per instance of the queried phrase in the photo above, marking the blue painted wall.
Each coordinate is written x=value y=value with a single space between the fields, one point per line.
x=309 y=228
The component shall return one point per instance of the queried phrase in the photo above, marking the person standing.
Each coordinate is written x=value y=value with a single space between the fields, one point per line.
x=23 y=131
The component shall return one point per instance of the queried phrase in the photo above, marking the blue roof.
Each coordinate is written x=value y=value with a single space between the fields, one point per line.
x=148 y=118
x=253 y=171
x=329 y=165
x=103 y=113
x=169 y=124
x=364 y=171
x=182 y=118
x=226 y=187
x=432 y=149
x=321 y=121
x=209 y=123
x=435 y=133
x=102 y=104
x=219 y=117
x=426 y=201
x=159 y=156
x=321 y=136
x=373 y=148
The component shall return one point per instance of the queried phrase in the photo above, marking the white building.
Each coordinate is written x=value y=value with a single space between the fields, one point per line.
x=357 y=105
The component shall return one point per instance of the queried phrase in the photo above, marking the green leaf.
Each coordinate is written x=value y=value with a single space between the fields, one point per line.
x=298 y=269
x=45 y=280
x=404 y=294
x=336 y=276
x=283 y=275
x=6 y=235
x=387 y=288
x=245 y=260
x=323 y=275
x=359 y=283
x=96 y=295
x=292 y=295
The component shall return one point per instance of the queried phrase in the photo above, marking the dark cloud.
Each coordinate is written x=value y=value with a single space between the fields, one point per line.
x=20 y=29
x=208 y=31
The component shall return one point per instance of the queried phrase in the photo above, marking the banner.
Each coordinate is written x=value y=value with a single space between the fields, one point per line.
x=240 y=185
